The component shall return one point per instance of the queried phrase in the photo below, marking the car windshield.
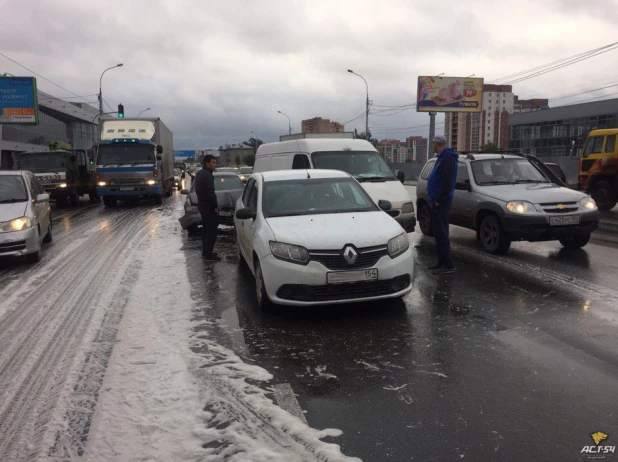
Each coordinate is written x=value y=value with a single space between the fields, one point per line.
x=227 y=183
x=364 y=166
x=12 y=189
x=43 y=161
x=506 y=171
x=114 y=154
x=246 y=170
x=314 y=196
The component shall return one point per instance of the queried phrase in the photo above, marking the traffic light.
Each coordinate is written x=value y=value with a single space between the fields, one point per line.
x=120 y=111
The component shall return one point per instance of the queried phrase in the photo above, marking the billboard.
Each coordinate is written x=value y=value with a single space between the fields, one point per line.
x=18 y=101
x=184 y=153
x=450 y=94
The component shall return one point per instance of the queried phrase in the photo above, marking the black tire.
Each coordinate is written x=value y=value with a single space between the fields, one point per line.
x=424 y=220
x=158 y=199
x=109 y=201
x=36 y=256
x=604 y=195
x=48 y=237
x=492 y=236
x=575 y=242
x=261 y=296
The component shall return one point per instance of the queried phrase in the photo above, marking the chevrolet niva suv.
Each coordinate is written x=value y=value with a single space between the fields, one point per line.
x=507 y=197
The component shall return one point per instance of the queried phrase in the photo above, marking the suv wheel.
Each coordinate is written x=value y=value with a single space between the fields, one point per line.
x=575 y=242
x=492 y=236
x=604 y=195
x=424 y=220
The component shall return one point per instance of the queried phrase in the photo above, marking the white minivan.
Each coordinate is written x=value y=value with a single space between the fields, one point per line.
x=357 y=157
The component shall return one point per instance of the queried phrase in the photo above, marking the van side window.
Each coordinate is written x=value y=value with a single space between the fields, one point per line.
x=610 y=144
x=246 y=193
x=427 y=170
x=301 y=161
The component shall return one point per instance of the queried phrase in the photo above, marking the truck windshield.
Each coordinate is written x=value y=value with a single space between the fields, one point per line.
x=12 y=189
x=362 y=165
x=115 y=154
x=39 y=162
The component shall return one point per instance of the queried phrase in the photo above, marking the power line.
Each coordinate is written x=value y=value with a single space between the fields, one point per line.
x=39 y=75
x=590 y=99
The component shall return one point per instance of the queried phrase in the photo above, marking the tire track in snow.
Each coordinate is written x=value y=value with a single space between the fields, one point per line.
x=41 y=336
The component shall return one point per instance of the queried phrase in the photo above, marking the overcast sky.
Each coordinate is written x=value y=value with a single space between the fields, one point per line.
x=216 y=70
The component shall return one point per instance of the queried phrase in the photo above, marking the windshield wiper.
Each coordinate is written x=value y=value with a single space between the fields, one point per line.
x=495 y=182
x=371 y=178
x=10 y=201
x=530 y=181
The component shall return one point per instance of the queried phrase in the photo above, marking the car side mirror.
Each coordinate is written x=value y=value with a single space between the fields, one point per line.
x=385 y=205
x=159 y=149
x=42 y=198
x=184 y=191
x=401 y=177
x=245 y=214
x=462 y=185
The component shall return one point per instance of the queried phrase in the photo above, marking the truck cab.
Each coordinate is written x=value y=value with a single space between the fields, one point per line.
x=598 y=167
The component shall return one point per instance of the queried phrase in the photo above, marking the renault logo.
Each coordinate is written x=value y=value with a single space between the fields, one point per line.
x=350 y=255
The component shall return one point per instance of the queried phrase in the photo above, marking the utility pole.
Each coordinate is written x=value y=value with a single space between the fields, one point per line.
x=101 y=92
x=366 y=104
x=432 y=130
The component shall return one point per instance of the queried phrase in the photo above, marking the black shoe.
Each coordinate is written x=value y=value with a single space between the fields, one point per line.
x=211 y=257
x=444 y=270
x=435 y=267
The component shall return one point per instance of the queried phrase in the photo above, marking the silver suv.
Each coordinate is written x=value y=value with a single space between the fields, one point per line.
x=507 y=197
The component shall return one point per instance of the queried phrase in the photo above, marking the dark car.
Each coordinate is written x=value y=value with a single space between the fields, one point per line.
x=557 y=171
x=228 y=187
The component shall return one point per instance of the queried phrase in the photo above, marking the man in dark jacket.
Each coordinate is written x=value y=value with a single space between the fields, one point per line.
x=208 y=207
x=441 y=185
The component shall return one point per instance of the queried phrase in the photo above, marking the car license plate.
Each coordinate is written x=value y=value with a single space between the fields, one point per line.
x=563 y=221
x=225 y=214
x=343 y=277
x=127 y=189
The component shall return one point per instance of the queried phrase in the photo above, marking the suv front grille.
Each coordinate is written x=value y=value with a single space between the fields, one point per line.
x=566 y=207
x=335 y=260
x=127 y=181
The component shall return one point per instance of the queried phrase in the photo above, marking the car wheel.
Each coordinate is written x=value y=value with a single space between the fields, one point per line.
x=241 y=258
x=604 y=195
x=260 y=289
x=48 y=237
x=492 y=236
x=575 y=242
x=424 y=220
x=35 y=257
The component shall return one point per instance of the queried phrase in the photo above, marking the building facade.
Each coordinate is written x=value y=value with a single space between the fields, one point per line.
x=529 y=105
x=319 y=125
x=413 y=149
x=560 y=131
x=471 y=131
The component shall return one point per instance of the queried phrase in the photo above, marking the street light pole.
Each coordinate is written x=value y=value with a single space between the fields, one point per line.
x=148 y=109
x=289 y=123
x=101 y=92
x=367 y=104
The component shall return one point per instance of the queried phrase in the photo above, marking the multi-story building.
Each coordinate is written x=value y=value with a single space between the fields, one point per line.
x=319 y=125
x=417 y=148
x=529 y=105
x=413 y=149
x=471 y=131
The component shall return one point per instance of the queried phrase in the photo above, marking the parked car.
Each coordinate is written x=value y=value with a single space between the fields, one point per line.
x=25 y=215
x=228 y=187
x=512 y=197
x=317 y=237
x=245 y=173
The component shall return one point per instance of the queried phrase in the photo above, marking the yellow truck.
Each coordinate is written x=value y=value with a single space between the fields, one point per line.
x=598 y=167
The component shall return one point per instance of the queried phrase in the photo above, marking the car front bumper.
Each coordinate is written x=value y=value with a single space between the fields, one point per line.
x=537 y=228
x=297 y=285
x=18 y=243
x=139 y=190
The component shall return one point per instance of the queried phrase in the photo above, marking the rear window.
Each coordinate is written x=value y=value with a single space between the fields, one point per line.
x=227 y=183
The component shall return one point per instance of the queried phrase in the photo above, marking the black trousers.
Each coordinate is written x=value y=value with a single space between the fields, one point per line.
x=210 y=225
x=439 y=224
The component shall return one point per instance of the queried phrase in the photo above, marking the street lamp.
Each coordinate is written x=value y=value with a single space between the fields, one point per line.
x=100 y=86
x=289 y=123
x=147 y=109
x=367 y=106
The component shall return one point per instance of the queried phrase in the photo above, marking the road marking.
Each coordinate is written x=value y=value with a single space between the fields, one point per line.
x=286 y=399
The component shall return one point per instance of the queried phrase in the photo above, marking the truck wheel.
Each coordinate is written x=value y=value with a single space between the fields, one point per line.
x=575 y=242
x=492 y=236
x=424 y=220
x=604 y=195
x=158 y=199
x=109 y=201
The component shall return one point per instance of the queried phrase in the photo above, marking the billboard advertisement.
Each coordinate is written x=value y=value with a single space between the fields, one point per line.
x=450 y=94
x=18 y=102
x=184 y=153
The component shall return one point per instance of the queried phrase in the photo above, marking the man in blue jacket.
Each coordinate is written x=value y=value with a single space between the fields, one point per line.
x=441 y=184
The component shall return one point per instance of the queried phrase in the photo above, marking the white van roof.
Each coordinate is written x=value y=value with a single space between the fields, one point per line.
x=315 y=145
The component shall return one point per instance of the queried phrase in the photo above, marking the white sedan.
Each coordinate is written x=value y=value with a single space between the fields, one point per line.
x=315 y=237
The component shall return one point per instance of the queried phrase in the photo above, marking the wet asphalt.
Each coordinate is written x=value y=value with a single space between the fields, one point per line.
x=511 y=358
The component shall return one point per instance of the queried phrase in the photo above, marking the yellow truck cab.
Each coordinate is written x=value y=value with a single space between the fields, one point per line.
x=598 y=167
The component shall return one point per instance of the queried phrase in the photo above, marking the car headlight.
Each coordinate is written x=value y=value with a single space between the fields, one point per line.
x=19 y=224
x=102 y=183
x=408 y=207
x=290 y=253
x=589 y=204
x=151 y=182
x=398 y=245
x=521 y=207
x=62 y=185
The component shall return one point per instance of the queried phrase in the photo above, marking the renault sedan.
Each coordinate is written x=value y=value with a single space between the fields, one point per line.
x=315 y=237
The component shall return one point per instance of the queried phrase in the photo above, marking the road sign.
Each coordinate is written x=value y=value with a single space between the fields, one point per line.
x=184 y=153
x=18 y=101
